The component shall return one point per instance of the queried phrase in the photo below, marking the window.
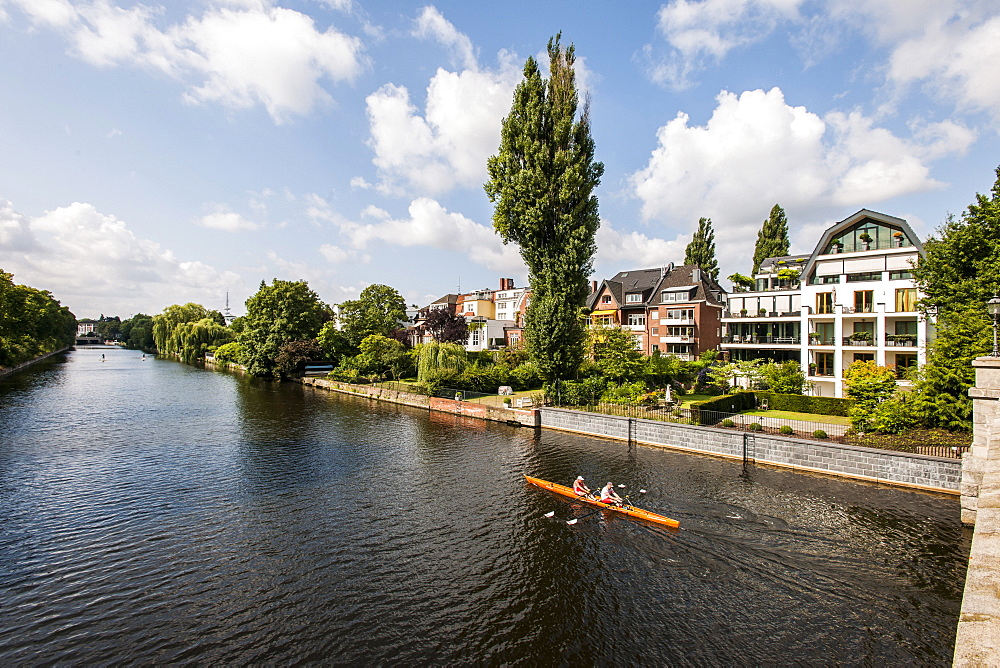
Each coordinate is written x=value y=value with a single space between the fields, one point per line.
x=656 y=348
x=604 y=319
x=864 y=276
x=824 y=302
x=904 y=363
x=633 y=298
x=900 y=275
x=906 y=300
x=675 y=296
x=906 y=327
x=864 y=301
x=824 y=280
x=678 y=348
x=680 y=331
x=655 y=315
x=680 y=314
x=636 y=318
x=606 y=299
x=474 y=337
x=824 y=364
x=655 y=331
x=825 y=330
x=864 y=357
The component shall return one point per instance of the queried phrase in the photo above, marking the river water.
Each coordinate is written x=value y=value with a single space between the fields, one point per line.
x=153 y=512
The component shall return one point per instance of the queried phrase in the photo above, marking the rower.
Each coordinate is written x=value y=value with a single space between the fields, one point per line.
x=609 y=496
x=579 y=487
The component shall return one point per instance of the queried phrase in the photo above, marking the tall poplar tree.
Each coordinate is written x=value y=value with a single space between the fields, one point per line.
x=701 y=250
x=542 y=181
x=772 y=239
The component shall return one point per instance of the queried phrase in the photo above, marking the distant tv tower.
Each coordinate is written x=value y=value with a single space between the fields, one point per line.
x=226 y=314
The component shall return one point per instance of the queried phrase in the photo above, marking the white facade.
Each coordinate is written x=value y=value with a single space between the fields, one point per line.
x=483 y=331
x=853 y=300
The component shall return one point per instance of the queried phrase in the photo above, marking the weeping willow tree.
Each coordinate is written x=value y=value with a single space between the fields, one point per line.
x=188 y=331
x=436 y=359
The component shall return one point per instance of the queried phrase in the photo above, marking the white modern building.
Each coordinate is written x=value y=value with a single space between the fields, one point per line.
x=853 y=298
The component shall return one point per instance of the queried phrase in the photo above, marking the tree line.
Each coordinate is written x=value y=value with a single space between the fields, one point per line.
x=32 y=322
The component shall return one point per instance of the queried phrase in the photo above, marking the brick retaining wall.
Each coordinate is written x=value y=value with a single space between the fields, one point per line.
x=936 y=474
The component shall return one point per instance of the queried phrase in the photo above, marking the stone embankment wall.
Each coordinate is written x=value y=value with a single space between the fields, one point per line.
x=936 y=474
x=9 y=371
x=528 y=418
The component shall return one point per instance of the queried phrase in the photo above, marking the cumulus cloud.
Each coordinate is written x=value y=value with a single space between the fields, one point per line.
x=618 y=250
x=92 y=262
x=948 y=47
x=239 y=56
x=445 y=145
x=757 y=150
x=227 y=221
x=431 y=24
x=699 y=31
x=430 y=224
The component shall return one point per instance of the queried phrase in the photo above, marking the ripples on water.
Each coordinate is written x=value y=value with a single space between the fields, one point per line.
x=152 y=512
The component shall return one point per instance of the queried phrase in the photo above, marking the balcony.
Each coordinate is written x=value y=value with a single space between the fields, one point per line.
x=676 y=339
x=676 y=321
x=819 y=341
x=762 y=340
x=898 y=341
x=848 y=341
x=635 y=328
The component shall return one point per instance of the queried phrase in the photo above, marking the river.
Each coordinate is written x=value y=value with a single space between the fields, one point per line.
x=153 y=512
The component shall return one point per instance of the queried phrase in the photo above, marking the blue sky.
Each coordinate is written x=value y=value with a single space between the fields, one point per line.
x=160 y=153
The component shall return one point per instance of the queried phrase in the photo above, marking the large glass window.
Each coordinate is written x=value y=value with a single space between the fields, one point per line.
x=633 y=298
x=680 y=314
x=906 y=300
x=864 y=276
x=899 y=275
x=824 y=302
x=864 y=301
x=636 y=318
x=824 y=364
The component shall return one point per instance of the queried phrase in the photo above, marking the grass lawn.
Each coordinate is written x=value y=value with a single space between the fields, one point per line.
x=688 y=399
x=807 y=417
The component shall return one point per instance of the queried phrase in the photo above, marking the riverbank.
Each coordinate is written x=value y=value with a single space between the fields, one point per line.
x=923 y=472
x=10 y=371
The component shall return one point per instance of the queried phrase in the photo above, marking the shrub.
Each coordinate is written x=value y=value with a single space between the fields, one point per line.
x=230 y=353
x=580 y=392
x=786 y=430
x=802 y=404
x=629 y=393
x=728 y=423
x=819 y=433
x=756 y=426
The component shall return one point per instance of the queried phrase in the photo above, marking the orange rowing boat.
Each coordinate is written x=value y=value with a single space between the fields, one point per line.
x=629 y=510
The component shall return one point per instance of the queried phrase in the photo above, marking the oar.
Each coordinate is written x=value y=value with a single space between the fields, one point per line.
x=577 y=519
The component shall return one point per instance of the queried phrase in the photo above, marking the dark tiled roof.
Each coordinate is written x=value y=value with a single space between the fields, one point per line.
x=651 y=282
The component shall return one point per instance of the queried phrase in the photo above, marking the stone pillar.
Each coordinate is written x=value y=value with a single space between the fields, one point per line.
x=985 y=410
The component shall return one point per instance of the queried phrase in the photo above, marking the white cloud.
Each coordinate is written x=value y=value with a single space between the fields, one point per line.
x=431 y=24
x=92 y=262
x=757 y=150
x=239 y=56
x=635 y=250
x=707 y=30
x=448 y=145
x=430 y=224
x=227 y=221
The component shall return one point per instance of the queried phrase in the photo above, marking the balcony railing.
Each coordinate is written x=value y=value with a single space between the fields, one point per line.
x=848 y=341
x=819 y=341
x=901 y=343
x=635 y=327
x=765 y=340
x=758 y=314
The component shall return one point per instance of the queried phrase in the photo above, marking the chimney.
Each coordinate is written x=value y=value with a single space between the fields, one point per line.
x=593 y=287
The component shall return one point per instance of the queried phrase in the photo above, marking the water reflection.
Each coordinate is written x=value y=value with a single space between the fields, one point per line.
x=151 y=512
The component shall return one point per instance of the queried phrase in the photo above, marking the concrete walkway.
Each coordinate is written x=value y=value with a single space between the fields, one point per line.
x=977 y=642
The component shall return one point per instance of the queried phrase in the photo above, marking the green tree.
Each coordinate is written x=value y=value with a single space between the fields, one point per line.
x=615 y=354
x=165 y=325
x=740 y=282
x=958 y=272
x=137 y=333
x=541 y=182
x=701 y=250
x=379 y=309
x=869 y=385
x=380 y=354
x=433 y=358
x=784 y=378
x=772 y=239
x=32 y=322
x=293 y=355
x=278 y=313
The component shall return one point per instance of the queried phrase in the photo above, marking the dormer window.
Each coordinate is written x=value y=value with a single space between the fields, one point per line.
x=633 y=298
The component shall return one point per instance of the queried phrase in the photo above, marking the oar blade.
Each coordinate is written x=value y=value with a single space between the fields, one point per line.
x=550 y=513
x=573 y=521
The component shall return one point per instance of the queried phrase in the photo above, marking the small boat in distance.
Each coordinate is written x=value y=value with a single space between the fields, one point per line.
x=626 y=509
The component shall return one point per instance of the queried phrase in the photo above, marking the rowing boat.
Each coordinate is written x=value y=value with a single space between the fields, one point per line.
x=628 y=510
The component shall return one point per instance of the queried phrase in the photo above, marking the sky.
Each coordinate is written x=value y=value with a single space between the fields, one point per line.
x=158 y=153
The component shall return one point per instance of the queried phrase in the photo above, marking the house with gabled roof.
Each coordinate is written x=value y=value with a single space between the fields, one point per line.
x=673 y=310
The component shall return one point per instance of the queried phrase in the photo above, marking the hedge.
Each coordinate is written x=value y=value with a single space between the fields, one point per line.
x=802 y=404
x=743 y=401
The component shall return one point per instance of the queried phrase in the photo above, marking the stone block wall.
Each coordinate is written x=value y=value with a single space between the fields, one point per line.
x=898 y=468
x=985 y=411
